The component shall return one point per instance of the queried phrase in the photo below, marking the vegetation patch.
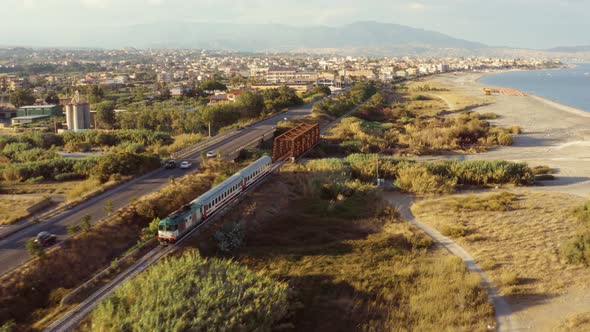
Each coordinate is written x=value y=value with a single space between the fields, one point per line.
x=519 y=238
x=27 y=295
x=495 y=202
x=14 y=207
x=351 y=263
x=193 y=293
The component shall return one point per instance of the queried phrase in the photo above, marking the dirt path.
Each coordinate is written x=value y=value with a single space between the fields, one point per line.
x=503 y=311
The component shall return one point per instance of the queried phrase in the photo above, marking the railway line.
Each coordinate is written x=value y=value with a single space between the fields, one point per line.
x=72 y=318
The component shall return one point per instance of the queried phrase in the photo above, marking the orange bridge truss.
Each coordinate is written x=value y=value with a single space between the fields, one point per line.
x=296 y=141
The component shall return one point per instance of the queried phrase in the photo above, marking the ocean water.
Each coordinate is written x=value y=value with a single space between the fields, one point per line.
x=570 y=86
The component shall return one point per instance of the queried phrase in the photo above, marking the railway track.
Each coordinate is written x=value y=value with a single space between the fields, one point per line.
x=72 y=318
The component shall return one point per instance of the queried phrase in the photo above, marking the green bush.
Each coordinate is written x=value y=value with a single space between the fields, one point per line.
x=230 y=237
x=191 y=293
x=68 y=177
x=483 y=172
x=124 y=163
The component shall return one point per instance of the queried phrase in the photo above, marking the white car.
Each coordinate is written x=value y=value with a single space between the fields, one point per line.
x=211 y=154
x=186 y=164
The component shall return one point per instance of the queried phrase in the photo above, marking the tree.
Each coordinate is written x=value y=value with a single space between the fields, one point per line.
x=52 y=98
x=95 y=94
x=212 y=85
x=21 y=97
x=252 y=103
x=105 y=114
x=165 y=94
x=85 y=224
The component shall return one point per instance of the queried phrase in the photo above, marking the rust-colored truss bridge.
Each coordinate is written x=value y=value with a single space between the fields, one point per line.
x=296 y=141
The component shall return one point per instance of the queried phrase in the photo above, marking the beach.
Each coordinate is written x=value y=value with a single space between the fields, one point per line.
x=554 y=135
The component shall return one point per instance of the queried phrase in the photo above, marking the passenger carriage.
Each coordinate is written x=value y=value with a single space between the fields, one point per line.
x=182 y=221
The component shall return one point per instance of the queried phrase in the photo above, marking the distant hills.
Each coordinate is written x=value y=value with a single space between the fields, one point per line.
x=359 y=37
x=571 y=49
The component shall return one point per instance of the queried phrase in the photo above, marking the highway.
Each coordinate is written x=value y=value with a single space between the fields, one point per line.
x=12 y=248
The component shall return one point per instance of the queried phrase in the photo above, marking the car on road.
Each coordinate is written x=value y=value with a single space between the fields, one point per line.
x=170 y=164
x=211 y=154
x=185 y=164
x=46 y=239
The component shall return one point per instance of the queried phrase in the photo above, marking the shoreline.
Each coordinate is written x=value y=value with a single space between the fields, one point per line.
x=545 y=100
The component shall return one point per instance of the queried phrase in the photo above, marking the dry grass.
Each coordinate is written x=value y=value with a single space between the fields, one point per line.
x=14 y=207
x=457 y=98
x=350 y=269
x=82 y=188
x=518 y=243
x=577 y=323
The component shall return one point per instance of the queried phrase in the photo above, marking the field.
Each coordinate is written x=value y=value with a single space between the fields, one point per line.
x=13 y=207
x=350 y=262
x=452 y=96
x=518 y=238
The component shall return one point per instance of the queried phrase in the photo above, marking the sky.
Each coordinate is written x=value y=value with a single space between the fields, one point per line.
x=514 y=23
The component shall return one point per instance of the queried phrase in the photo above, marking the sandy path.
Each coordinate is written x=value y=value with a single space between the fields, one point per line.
x=503 y=311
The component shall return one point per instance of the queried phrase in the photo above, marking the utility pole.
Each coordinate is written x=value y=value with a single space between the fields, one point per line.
x=209 y=128
x=377 y=171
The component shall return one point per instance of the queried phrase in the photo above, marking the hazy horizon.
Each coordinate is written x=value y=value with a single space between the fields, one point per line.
x=521 y=23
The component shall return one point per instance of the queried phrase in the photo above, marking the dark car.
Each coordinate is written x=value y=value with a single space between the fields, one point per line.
x=45 y=239
x=170 y=164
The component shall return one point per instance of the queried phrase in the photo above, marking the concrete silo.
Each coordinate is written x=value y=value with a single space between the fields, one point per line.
x=78 y=114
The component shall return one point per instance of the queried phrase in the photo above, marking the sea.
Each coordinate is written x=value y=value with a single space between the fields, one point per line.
x=567 y=86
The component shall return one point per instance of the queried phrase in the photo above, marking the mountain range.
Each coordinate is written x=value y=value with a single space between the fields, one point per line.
x=363 y=37
x=366 y=38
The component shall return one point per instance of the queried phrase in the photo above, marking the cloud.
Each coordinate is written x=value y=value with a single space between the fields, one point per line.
x=97 y=4
x=417 y=6
x=29 y=4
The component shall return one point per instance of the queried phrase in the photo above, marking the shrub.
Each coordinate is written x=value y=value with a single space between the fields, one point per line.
x=230 y=237
x=577 y=250
x=454 y=231
x=505 y=139
x=68 y=177
x=509 y=278
x=35 y=249
x=191 y=293
x=495 y=202
x=418 y=180
x=542 y=170
x=488 y=116
x=516 y=130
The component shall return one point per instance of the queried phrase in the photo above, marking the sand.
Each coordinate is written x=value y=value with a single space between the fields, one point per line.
x=554 y=135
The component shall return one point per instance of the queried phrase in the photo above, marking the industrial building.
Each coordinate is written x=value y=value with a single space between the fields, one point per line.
x=78 y=114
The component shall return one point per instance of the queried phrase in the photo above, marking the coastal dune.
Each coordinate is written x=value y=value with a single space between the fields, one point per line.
x=554 y=135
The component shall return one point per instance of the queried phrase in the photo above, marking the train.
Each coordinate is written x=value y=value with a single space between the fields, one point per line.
x=182 y=221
